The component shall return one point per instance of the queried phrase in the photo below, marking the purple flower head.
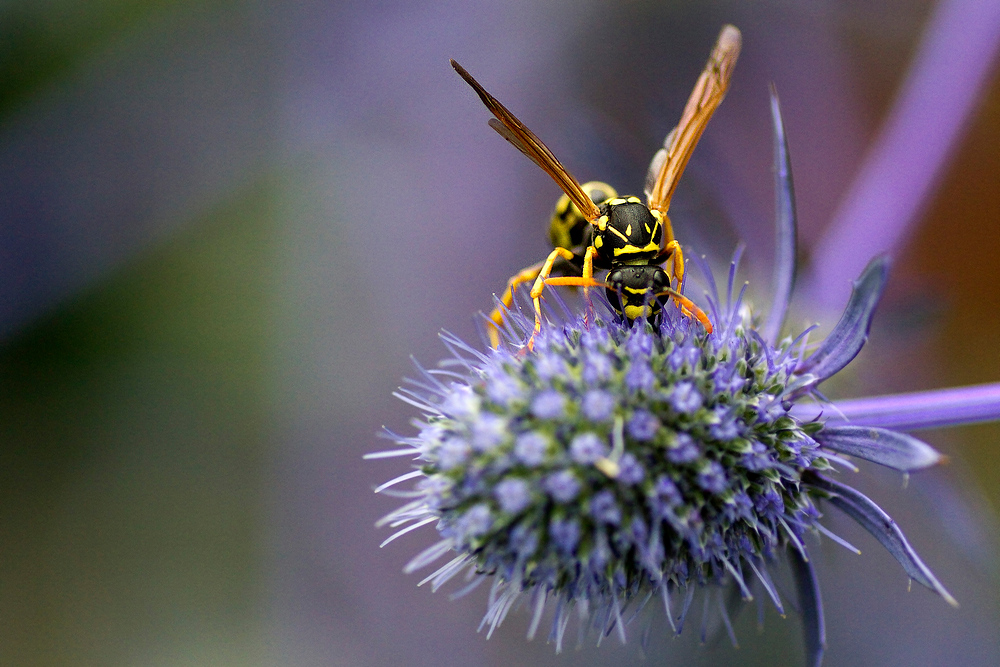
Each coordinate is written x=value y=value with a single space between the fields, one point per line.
x=531 y=448
x=453 y=452
x=504 y=390
x=597 y=368
x=549 y=404
x=769 y=505
x=549 y=366
x=639 y=377
x=474 y=522
x=726 y=426
x=595 y=339
x=684 y=450
x=630 y=471
x=588 y=448
x=712 y=477
x=601 y=462
x=563 y=486
x=488 y=431
x=728 y=471
x=604 y=507
x=513 y=495
x=667 y=491
x=598 y=405
x=643 y=425
x=565 y=534
x=759 y=458
x=640 y=345
x=685 y=397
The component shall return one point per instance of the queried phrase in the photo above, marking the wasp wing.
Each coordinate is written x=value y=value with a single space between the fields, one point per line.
x=504 y=132
x=704 y=100
x=514 y=131
x=656 y=164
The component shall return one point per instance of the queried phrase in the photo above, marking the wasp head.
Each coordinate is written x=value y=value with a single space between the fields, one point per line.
x=632 y=289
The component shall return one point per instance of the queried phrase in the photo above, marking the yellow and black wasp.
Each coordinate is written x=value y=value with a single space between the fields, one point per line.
x=595 y=228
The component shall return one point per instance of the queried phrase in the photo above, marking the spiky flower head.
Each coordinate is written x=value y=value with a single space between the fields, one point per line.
x=614 y=463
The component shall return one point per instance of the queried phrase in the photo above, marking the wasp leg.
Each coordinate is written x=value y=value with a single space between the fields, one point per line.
x=525 y=275
x=586 y=281
x=688 y=307
x=677 y=269
x=677 y=264
x=578 y=281
x=588 y=274
x=575 y=281
x=539 y=286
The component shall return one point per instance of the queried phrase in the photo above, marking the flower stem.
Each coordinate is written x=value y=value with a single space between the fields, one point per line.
x=923 y=409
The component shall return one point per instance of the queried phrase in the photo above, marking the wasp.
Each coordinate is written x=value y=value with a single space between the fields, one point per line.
x=595 y=228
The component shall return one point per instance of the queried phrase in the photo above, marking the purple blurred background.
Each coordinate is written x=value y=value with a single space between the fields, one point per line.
x=225 y=226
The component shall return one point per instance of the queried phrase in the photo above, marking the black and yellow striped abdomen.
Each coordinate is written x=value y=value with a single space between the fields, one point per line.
x=569 y=227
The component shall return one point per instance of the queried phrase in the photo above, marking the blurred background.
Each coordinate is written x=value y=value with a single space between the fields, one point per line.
x=226 y=225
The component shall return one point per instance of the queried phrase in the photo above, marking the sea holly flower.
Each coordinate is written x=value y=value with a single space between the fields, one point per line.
x=614 y=464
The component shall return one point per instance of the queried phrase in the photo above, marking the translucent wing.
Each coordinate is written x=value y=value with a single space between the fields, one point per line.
x=669 y=162
x=656 y=164
x=514 y=131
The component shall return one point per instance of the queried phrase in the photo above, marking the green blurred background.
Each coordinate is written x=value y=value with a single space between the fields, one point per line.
x=136 y=429
x=227 y=224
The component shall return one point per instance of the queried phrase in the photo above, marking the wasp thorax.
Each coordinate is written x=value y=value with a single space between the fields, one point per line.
x=633 y=289
x=628 y=230
x=569 y=227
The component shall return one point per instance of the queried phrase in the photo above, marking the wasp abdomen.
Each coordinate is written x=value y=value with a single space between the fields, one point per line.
x=569 y=228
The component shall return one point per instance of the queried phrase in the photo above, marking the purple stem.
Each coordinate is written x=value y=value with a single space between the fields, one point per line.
x=903 y=165
x=922 y=409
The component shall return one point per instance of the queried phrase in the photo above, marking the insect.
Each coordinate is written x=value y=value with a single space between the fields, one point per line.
x=595 y=228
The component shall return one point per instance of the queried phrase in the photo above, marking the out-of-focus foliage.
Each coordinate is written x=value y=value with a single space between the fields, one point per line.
x=45 y=39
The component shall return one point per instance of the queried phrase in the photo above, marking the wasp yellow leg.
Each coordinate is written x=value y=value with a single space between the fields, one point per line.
x=525 y=275
x=588 y=274
x=575 y=281
x=673 y=248
x=677 y=261
x=688 y=307
x=539 y=286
